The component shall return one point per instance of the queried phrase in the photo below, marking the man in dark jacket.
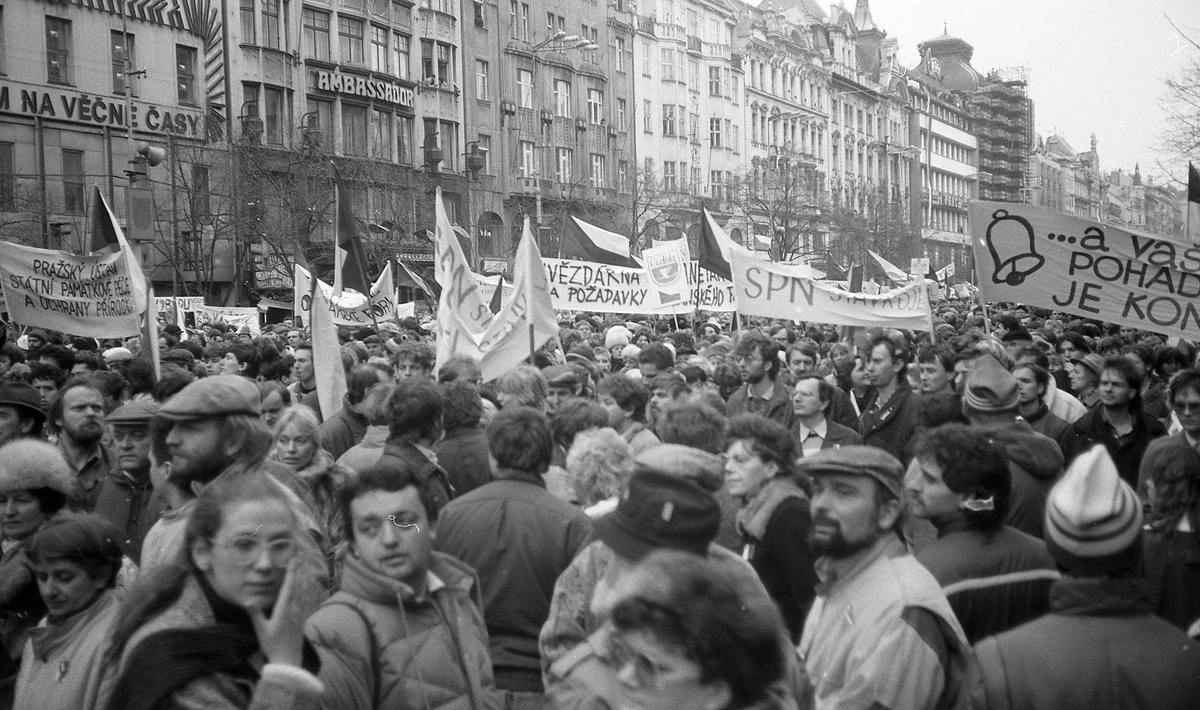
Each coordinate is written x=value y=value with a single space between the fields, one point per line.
x=415 y=426
x=463 y=450
x=519 y=537
x=348 y=425
x=1118 y=422
x=125 y=494
x=762 y=391
x=892 y=414
x=990 y=402
x=1099 y=647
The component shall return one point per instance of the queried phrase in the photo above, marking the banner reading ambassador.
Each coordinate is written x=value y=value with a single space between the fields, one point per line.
x=765 y=288
x=80 y=295
x=1031 y=255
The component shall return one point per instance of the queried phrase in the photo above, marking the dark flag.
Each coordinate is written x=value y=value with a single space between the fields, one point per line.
x=1193 y=204
x=104 y=234
x=709 y=254
x=353 y=272
x=497 y=297
x=856 y=278
x=833 y=272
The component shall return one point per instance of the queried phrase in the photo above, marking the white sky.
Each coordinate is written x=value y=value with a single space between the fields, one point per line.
x=1096 y=66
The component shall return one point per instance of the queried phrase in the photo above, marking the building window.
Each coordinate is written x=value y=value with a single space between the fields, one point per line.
x=400 y=54
x=619 y=51
x=274 y=115
x=122 y=58
x=716 y=184
x=319 y=122
x=668 y=64
x=72 y=172
x=428 y=68
x=525 y=88
x=185 y=74
x=58 y=51
x=350 y=40
x=381 y=135
x=249 y=36
x=562 y=170
x=445 y=63
x=646 y=62
x=485 y=150
x=670 y=177
x=523 y=23
x=316 y=34
x=714 y=133
x=620 y=114
x=479 y=16
x=668 y=120
x=647 y=119
x=379 y=50
x=562 y=98
x=449 y=142
x=354 y=130
x=198 y=200
x=597 y=173
x=270 y=21
x=623 y=176
x=595 y=106
x=528 y=158
x=404 y=139
x=482 y=73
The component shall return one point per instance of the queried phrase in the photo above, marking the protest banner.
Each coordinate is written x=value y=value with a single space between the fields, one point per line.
x=463 y=314
x=600 y=288
x=945 y=272
x=780 y=291
x=81 y=295
x=236 y=316
x=666 y=265
x=1031 y=255
x=351 y=307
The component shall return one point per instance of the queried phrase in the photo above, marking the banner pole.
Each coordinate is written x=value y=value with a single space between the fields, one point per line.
x=987 y=321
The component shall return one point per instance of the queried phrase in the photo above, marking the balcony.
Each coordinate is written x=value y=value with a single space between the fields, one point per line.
x=664 y=30
x=645 y=25
x=718 y=51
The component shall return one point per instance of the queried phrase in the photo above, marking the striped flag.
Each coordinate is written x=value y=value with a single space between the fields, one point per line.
x=587 y=242
x=1193 y=204
x=350 y=260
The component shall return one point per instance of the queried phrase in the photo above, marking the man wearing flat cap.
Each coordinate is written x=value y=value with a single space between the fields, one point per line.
x=562 y=383
x=880 y=633
x=126 y=493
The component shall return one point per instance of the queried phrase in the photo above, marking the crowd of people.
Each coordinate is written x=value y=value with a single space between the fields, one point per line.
x=654 y=514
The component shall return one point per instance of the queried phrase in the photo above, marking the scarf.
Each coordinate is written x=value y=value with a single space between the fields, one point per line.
x=170 y=659
x=754 y=516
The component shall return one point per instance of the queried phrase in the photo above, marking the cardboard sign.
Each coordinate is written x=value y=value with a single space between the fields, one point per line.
x=1031 y=255
x=600 y=288
x=80 y=295
x=352 y=308
x=780 y=291
x=666 y=265
x=236 y=316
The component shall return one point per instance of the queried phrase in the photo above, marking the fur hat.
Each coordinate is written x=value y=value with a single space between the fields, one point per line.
x=617 y=335
x=29 y=464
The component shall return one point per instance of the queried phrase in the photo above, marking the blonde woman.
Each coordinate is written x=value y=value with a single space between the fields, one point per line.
x=297 y=443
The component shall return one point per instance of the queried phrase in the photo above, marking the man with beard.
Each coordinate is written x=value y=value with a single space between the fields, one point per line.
x=761 y=392
x=77 y=417
x=880 y=633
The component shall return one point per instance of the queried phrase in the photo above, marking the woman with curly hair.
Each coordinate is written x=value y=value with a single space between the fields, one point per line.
x=298 y=444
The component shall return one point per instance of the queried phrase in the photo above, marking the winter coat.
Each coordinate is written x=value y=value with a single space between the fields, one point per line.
x=61 y=666
x=342 y=431
x=1035 y=463
x=1099 y=647
x=1047 y=423
x=519 y=538
x=893 y=426
x=775 y=522
x=1126 y=452
x=994 y=581
x=463 y=453
x=277 y=687
x=882 y=635
x=779 y=407
x=1062 y=403
x=432 y=479
x=366 y=452
x=324 y=478
x=21 y=605
x=1171 y=566
x=639 y=437
x=382 y=647
x=129 y=505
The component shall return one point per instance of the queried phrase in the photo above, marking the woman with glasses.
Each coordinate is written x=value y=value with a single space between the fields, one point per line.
x=223 y=627
x=686 y=634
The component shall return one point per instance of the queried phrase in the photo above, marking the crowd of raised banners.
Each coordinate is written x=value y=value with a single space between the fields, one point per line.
x=1025 y=254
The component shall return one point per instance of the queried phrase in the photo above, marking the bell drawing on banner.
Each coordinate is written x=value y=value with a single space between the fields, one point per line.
x=1010 y=241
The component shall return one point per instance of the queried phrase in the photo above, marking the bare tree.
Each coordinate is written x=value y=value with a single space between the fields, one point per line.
x=783 y=199
x=1180 y=101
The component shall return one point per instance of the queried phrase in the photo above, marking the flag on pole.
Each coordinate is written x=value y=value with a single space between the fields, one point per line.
x=497 y=297
x=149 y=335
x=107 y=235
x=833 y=272
x=527 y=321
x=893 y=272
x=714 y=247
x=463 y=314
x=408 y=277
x=327 y=355
x=1193 y=204
x=587 y=242
x=350 y=260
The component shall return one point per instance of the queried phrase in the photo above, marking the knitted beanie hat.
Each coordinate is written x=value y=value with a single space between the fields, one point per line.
x=990 y=387
x=1093 y=518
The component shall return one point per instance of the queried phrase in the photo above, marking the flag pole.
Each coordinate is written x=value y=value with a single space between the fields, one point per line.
x=529 y=293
